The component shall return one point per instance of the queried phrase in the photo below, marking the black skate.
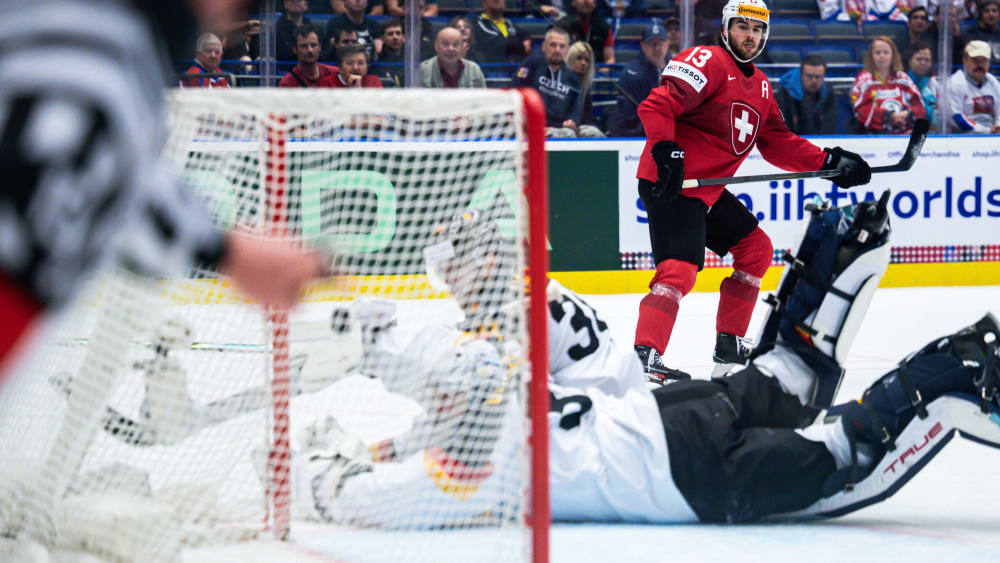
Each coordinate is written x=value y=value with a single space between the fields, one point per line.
x=657 y=374
x=730 y=351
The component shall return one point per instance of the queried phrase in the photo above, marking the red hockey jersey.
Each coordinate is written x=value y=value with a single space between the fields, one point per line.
x=874 y=100
x=335 y=80
x=717 y=114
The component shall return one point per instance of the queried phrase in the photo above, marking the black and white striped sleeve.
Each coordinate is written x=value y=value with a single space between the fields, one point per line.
x=81 y=127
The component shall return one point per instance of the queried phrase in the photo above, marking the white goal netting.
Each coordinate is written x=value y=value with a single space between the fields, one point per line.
x=388 y=409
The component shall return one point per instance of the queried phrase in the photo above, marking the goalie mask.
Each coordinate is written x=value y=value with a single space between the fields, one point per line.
x=468 y=257
x=746 y=10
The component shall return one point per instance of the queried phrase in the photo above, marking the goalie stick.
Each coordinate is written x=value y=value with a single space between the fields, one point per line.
x=917 y=138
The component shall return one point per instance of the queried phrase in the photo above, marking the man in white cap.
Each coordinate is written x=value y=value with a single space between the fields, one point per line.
x=973 y=93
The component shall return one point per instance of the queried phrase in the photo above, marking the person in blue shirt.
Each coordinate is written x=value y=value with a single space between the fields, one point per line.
x=558 y=85
x=637 y=79
x=920 y=67
x=806 y=102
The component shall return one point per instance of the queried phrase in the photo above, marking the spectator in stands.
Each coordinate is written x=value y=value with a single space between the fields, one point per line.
x=637 y=79
x=284 y=30
x=496 y=39
x=373 y=8
x=973 y=93
x=308 y=73
x=805 y=101
x=208 y=54
x=426 y=35
x=920 y=69
x=673 y=25
x=884 y=99
x=391 y=59
x=580 y=61
x=918 y=30
x=393 y=41
x=323 y=6
x=461 y=23
x=559 y=87
x=369 y=31
x=548 y=9
x=447 y=69
x=344 y=37
x=353 y=70
x=585 y=25
x=987 y=29
x=429 y=9
x=861 y=11
x=624 y=8
x=241 y=41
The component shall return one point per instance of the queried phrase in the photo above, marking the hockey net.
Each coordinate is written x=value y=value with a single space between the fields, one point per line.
x=163 y=416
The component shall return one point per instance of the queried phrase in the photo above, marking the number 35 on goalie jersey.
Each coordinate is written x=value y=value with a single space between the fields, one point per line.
x=581 y=351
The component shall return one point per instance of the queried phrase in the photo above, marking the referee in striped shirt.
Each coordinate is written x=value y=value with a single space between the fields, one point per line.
x=81 y=128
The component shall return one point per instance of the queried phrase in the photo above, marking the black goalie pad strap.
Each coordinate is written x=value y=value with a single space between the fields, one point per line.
x=812 y=277
x=912 y=393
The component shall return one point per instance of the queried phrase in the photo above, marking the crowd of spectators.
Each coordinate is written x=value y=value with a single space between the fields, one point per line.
x=361 y=43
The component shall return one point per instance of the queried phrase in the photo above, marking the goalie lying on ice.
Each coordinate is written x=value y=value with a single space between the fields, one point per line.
x=762 y=442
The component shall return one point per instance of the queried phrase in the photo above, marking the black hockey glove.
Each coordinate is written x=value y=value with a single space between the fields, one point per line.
x=854 y=170
x=669 y=157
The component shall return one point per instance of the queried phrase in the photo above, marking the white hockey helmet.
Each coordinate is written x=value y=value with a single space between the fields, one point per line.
x=747 y=10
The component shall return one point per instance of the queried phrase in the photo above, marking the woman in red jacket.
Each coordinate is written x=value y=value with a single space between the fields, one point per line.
x=883 y=98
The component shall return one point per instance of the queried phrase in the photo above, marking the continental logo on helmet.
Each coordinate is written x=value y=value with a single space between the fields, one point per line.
x=747 y=11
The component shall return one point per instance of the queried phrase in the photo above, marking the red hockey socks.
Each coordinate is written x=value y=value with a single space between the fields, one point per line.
x=658 y=309
x=738 y=293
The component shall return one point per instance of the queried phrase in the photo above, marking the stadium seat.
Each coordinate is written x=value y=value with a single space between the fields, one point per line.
x=802 y=8
x=790 y=30
x=630 y=31
x=784 y=55
x=533 y=27
x=437 y=24
x=894 y=30
x=453 y=7
x=832 y=54
x=658 y=7
x=836 y=31
x=623 y=56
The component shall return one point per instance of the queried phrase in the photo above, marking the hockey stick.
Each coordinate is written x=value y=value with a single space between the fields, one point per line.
x=916 y=143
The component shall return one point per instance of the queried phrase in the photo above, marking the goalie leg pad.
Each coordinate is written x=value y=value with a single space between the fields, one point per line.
x=831 y=278
x=916 y=445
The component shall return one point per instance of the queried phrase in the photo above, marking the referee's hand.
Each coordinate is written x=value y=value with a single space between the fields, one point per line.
x=669 y=158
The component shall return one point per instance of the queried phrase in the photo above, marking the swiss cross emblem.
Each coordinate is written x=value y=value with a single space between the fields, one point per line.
x=745 y=121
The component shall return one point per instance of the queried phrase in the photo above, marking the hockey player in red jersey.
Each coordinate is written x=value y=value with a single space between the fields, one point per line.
x=711 y=108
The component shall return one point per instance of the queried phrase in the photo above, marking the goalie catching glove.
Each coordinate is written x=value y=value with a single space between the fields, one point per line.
x=669 y=158
x=854 y=170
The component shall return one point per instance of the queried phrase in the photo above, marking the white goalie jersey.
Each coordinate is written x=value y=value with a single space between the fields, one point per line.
x=608 y=457
x=608 y=454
